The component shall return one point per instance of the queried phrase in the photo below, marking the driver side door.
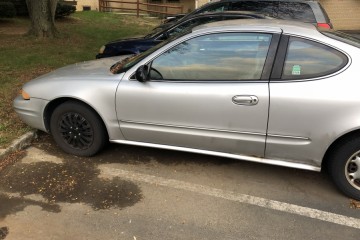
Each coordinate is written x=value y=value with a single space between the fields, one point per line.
x=208 y=93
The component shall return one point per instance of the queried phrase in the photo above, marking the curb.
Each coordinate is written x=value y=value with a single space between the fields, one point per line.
x=19 y=143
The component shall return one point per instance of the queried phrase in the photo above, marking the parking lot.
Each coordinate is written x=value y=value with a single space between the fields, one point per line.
x=129 y=192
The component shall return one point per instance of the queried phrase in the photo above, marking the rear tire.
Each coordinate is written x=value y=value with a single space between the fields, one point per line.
x=77 y=129
x=344 y=167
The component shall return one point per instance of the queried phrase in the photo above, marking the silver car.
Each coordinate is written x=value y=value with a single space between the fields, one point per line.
x=267 y=91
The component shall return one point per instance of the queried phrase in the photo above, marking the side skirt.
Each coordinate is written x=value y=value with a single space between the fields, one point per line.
x=276 y=162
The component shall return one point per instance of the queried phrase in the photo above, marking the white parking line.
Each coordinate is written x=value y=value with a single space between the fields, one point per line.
x=232 y=196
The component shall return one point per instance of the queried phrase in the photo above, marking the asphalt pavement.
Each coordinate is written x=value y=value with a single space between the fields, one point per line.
x=128 y=192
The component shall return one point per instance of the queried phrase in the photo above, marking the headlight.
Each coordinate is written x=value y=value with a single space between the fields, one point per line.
x=102 y=49
x=24 y=95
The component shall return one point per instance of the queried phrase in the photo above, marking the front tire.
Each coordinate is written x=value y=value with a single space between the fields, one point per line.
x=77 y=129
x=344 y=167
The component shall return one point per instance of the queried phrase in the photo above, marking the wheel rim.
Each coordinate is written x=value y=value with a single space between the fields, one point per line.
x=76 y=131
x=352 y=170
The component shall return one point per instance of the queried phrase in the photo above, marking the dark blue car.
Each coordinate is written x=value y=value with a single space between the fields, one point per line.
x=138 y=45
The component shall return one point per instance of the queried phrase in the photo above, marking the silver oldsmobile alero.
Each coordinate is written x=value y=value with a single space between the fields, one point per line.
x=267 y=91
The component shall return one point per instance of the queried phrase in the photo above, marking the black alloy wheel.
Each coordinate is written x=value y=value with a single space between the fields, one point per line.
x=77 y=129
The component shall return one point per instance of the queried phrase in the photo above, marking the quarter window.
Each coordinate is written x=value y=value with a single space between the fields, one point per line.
x=223 y=56
x=308 y=59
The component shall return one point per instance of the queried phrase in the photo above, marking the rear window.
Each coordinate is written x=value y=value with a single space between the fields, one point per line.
x=342 y=37
x=281 y=10
x=295 y=11
x=266 y=8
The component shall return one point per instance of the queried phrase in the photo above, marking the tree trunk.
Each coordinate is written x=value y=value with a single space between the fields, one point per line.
x=42 y=16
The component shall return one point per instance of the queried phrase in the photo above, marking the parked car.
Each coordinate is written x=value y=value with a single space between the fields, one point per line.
x=138 y=45
x=275 y=92
x=309 y=11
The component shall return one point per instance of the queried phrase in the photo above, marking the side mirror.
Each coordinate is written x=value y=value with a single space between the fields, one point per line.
x=142 y=73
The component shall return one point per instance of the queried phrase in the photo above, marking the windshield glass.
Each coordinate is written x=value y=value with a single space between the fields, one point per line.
x=200 y=10
x=154 y=32
x=343 y=37
x=129 y=62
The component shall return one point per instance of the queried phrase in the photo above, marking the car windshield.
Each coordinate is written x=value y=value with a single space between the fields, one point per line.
x=154 y=32
x=343 y=37
x=199 y=10
x=129 y=62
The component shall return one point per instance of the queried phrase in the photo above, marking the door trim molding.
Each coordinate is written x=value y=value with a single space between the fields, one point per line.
x=191 y=128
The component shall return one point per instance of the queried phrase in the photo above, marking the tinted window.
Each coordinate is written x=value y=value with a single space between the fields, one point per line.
x=307 y=59
x=263 y=7
x=225 y=56
x=275 y=9
x=192 y=23
x=215 y=8
x=295 y=11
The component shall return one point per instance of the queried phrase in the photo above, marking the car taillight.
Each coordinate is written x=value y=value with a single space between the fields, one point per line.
x=324 y=25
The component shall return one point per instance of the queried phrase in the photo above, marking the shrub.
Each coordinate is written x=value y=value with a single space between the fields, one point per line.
x=7 y=10
x=63 y=10
x=21 y=7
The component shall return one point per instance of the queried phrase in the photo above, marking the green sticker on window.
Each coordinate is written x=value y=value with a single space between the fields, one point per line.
x=296 y=70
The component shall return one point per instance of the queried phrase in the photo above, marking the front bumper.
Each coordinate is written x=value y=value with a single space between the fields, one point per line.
x=31 y=111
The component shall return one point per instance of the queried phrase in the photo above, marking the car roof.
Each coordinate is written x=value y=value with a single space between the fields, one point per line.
x=319 y=13
x=276 y=25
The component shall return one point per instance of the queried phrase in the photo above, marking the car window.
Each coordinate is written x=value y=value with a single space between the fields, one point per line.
x=153 y=33
x=220 y=7
x=308 y=59
x=221 y=56
x=263 y=7
x=192 y=23
x=294 y=11
x=127 y=63
x=275 y=9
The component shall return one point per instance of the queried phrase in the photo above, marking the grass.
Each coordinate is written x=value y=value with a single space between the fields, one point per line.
x=23 y=58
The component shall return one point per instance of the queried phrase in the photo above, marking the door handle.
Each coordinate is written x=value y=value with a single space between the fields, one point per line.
x=247 y=100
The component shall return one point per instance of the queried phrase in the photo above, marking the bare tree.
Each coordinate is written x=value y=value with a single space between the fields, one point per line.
x=42 y=16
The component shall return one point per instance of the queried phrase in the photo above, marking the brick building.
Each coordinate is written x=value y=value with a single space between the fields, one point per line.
x=81 y=4
x=344 y=14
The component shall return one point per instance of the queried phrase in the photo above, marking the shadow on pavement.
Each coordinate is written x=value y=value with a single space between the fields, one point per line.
x=73 y=181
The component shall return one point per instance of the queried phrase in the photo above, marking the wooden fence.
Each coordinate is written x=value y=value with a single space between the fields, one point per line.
x=105 y=5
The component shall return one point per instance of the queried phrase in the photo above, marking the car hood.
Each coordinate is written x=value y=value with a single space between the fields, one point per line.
x=90 y=69
x=75 y=80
